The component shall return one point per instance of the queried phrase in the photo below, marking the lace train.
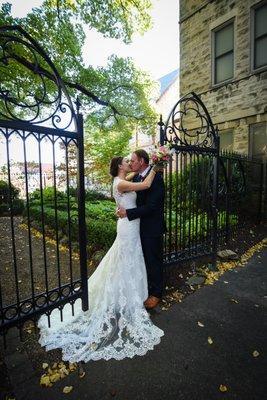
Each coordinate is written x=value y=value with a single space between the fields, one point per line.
x=116 y=325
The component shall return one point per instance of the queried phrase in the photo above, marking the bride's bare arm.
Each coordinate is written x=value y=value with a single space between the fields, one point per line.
x=125 y=186
x=130 y=176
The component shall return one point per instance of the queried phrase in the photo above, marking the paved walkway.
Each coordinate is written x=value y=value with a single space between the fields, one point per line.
x=184 y=366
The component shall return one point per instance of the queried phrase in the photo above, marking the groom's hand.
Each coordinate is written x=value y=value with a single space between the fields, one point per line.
x=121 y=212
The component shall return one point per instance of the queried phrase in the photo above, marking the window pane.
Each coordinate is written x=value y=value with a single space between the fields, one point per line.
x=261 y=52
x=224 y=68
x=224 y=40
x=259 y=140
x=261 y=21
x=226 y=140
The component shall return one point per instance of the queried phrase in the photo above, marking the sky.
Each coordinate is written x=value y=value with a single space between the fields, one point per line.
x=156 y=52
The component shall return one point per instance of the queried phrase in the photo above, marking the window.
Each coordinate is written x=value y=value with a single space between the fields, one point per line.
x=258 y=140
x=226 y=140
x=223 y=52
x=259 y=36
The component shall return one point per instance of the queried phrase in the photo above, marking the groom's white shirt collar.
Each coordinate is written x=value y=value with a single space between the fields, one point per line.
x=143 y=174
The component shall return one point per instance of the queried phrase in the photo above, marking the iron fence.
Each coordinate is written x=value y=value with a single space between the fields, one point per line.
x=38 y=122
x=191 y=180
x=209 y=194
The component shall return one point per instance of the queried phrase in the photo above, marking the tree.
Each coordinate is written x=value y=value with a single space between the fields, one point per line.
x=116 y=100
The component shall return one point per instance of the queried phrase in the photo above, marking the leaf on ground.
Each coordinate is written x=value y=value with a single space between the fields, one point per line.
x=45 y=365
x=225 y=282
x=200 y=324
x=67 y=389
x=210 y=340
x=45 y=381
x=234 y=301
x=223 y=388
x=72 y=366
x=255 y=353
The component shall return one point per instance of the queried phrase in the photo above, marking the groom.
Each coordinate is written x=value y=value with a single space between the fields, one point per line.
x=150 y=210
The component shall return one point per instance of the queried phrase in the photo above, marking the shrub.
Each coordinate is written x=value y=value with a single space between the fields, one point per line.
x=100 y=223
x=7 y=192
x=92 y=195
x=101 y=210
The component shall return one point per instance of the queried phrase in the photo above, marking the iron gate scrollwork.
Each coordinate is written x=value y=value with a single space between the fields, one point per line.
x=38 y=121
x=191 y=180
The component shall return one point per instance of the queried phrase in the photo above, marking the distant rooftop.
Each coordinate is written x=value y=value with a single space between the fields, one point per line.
x=166 y=80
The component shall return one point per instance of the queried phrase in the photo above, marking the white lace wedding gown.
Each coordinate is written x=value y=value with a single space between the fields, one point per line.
x=116 y=325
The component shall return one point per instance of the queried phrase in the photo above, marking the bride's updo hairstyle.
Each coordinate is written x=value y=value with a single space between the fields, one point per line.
x=114 y=166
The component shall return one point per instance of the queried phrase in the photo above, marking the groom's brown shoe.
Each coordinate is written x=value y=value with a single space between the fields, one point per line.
x=151 y=302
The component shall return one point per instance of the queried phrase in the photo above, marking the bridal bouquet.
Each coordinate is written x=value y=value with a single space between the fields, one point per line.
x=161 y=155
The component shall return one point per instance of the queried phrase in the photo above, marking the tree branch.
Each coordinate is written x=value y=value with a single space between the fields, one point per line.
x=73 y=85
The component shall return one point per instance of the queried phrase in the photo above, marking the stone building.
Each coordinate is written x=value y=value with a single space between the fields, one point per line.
x=223 y=58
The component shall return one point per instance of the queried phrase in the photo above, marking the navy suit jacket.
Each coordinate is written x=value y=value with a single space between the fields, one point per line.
x=150 y=208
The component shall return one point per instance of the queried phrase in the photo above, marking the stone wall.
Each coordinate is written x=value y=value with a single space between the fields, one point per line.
x=234 y=105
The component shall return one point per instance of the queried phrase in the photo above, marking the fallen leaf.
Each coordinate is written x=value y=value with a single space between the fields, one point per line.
x=255 y=353
x=55 y=377
x=72 y=366
x=45 y=365
x=223 y=388
x=67 y=389
x=234 y=301
x=210 y=340
x=45 y=381
x=200 y=324
x=225 y=282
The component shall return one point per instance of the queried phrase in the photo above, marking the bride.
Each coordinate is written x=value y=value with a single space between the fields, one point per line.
x=117 y=324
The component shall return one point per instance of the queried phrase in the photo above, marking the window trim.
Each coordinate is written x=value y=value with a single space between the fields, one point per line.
x=213 y=32
x=252 y=38
x=250 y=139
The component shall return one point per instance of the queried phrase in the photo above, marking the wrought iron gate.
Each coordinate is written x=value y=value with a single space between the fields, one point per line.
x=191 y=180
x=38 y=123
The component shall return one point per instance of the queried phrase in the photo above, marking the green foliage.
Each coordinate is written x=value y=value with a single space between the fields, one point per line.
x=8 y=195
x=99 y=214
x=100 y=223
x=93 y=195
x=7 y=192
x=115 y=99
x=101 y=210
